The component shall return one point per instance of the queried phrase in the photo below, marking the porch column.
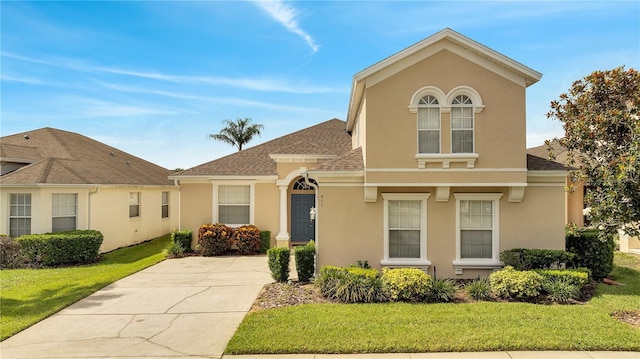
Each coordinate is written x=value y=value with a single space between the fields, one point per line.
x=282 y=239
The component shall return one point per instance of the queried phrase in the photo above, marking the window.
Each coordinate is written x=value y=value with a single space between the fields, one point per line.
x=134 y=204
x=405 y=225
x=477 y=234
x=462 y=125
x=165 y=204
x=64 y=212
x=428 y=125
x=19 y=214
x=234 y=204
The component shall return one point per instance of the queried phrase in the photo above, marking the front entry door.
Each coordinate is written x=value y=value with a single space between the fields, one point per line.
x=302 y=229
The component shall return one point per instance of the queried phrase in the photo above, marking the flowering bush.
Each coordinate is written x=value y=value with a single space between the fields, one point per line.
x=247 y=238
x=214 y=239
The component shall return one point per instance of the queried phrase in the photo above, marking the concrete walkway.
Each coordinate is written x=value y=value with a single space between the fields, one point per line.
x=179 y=308
x=187 y=308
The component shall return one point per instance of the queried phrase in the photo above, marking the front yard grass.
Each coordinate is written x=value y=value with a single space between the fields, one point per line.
x=29 y=295
x=481 y=326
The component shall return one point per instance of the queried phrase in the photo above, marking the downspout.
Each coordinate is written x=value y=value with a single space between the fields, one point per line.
x=315 y=187
x=177 y=184
x=89 y=209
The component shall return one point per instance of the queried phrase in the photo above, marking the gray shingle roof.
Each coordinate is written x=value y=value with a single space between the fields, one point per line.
x=350 y=161
x=327 y=138
x=61 y=157
x=538 y=158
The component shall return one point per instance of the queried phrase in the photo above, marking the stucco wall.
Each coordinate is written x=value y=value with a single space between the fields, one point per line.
x=351 y=230
x=575 y=206
x=267 y=208
x=392 y=129
x=106 y=211
x=195 y=206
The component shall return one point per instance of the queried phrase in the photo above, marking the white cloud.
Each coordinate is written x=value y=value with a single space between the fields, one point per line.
x=288 y=17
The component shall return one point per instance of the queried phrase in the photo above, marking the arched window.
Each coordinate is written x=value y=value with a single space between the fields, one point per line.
x=428 y=125
x=301 y=184
x=462 y=136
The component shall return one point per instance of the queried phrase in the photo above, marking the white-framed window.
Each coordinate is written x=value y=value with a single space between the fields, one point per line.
x=234 y=204
x=477 y=230
x=165 y=205
x=134 y=204
x=462 y=135
x=428 y=125
x=19 y=214
x=405 y=229
x=64 y=212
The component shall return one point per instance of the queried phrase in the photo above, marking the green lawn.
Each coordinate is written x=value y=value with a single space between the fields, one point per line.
x=29 y=295
x=482 y=326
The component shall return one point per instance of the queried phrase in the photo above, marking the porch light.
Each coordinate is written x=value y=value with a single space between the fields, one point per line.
x=312 y=214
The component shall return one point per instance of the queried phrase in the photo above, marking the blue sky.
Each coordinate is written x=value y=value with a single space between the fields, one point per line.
x=154 y=78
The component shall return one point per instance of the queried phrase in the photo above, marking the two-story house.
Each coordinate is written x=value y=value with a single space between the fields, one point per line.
x=429 y=170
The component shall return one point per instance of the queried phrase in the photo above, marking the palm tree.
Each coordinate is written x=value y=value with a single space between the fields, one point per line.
x=237 y=133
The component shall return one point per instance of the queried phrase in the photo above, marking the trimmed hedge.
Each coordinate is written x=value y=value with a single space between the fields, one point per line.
x=530 y=258
x=279 y=263
x=214 y=239
x=508 y=283
x=11 y=256
x=183 y=239
x=247 y=239
x=406 y=284
x=305 y=261
x=265 y=241
x=578 y=277
x=53 y=249
x=593 y=250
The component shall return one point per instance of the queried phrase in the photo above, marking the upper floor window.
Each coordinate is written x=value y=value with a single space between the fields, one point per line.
x=462 y=125
x=134 y=204
x=428 y=125
x=19 y=214
x=64 y=212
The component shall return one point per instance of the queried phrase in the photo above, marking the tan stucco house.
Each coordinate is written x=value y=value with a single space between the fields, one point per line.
x=53 y=180
x=429 y=169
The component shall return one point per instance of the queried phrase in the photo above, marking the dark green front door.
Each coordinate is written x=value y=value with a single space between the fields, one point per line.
x=302 y=229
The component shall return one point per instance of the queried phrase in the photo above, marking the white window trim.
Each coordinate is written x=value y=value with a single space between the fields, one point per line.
x=75 y=215
x=139 y=216
x=162 y=204
x=30 y=216
x=473 y=123
x=438 y=106
x=215 y=215
x=485 y=263
x=406 y=262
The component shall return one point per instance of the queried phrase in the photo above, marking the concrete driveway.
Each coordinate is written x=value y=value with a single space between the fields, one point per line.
x=187 y=307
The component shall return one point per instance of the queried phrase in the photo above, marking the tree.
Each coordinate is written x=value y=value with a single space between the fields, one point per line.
x=600 y=116
x=238 y=133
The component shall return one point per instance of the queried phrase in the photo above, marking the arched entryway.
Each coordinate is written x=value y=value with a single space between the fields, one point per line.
x=303 y=198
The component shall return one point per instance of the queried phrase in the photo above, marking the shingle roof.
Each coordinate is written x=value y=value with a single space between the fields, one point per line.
x=327 y=138
x=538 y=157
x=61 y=157
x=535 y=163
x=350 y=161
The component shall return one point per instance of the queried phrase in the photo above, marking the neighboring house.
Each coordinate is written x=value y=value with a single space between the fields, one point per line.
x=53 y=180
x=574 y=200
x=430 y=169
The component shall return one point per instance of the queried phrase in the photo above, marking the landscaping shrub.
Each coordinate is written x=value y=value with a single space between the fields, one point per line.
x=442 y=291
x=560 y=289
x=247 y=239
x=11 y=256
x=529 y=258
x=351 y=285
x=53 y=249
x=214 y=239
x=406 y=284
x=265 y=241
x=593 y=250
x=305 y=261
x=479 y=289
x=183 y=240
x=279 y=263
x=361 y=264
x=578 y=277
x=509 y=283
x=175 y=251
